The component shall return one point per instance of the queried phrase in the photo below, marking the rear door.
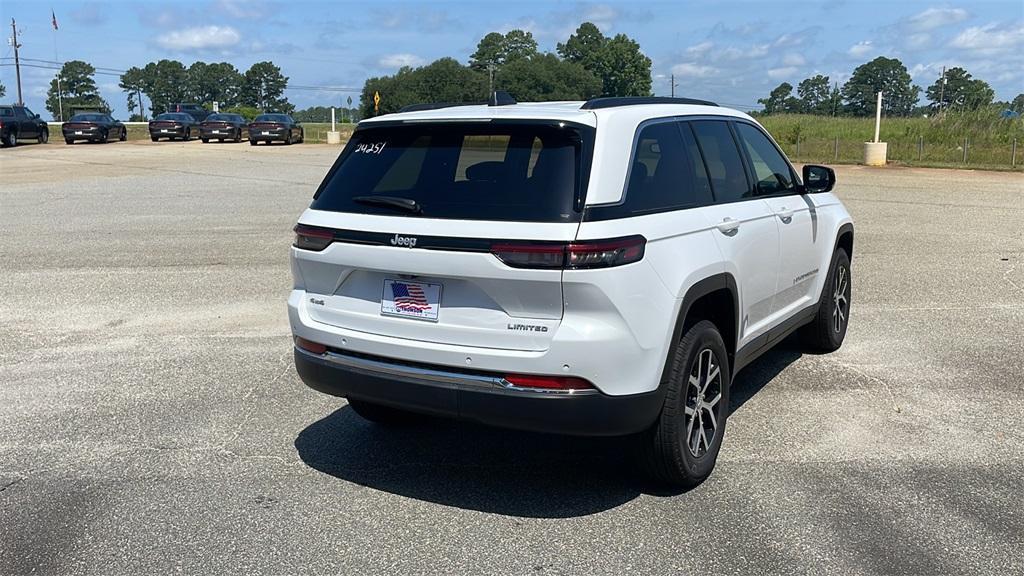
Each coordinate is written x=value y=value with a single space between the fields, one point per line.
x=745 y=226
x=470 y=190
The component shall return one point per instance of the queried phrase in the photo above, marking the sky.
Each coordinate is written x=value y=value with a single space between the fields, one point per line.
x=729 y=52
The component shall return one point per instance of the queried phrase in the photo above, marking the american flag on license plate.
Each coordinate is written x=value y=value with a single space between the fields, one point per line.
x=409 y=297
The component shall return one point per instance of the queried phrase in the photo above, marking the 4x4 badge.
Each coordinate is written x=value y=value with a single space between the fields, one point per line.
x=409 y=241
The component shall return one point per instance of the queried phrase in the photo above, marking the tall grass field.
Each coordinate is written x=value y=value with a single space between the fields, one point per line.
x=972 y=139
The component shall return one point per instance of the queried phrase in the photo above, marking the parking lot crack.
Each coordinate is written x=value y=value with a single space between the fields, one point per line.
x=885 y=385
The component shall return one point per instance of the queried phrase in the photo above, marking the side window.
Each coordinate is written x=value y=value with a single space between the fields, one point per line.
x=21 y=112
x=722 y=157
x=771 y=169
x=481 y=157
x=663 y=175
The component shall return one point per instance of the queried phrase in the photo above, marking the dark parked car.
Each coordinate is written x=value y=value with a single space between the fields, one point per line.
x=223 y=127
x=20 y=123
x=94 y=127
x=173 y=125
x=194 y=110
x=271 y=127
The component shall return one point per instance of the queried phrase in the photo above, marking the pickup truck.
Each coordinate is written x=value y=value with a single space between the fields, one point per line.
x=20 y=123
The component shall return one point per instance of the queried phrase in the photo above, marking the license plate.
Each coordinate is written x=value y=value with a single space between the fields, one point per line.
x=216 y=131
x=266 y=133
x=164 y=131
x=78 y=132
x=418 y=300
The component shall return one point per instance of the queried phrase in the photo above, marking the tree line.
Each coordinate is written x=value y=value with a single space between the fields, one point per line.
x=260 y=88
x=586 y=65
x=954 y=89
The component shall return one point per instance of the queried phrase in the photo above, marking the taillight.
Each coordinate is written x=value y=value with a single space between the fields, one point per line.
x=548 y=382
x=310 y=346
x=574 y=255
x=312 y=238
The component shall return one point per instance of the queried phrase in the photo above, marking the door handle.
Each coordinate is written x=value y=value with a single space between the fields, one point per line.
x=728 y=226
x=785 y=215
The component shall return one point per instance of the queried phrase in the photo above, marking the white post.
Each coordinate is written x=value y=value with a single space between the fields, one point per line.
x=875 y=152
x=878 y=116
x=333 y=137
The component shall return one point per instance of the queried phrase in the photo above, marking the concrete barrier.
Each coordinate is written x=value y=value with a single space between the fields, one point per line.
x=875 y=153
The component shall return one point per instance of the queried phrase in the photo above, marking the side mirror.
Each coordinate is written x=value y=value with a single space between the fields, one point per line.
x=818 y=179
x=36 y=116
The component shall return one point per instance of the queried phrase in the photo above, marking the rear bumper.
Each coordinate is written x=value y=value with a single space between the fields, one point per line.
x=273 y=136
x=477 y=397
x=170 y=132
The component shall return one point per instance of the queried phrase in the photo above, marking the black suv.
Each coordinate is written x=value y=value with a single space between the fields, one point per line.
x=20 y=123
x=194 y=110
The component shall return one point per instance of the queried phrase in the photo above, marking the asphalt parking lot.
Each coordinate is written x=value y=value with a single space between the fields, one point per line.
x=151 y=420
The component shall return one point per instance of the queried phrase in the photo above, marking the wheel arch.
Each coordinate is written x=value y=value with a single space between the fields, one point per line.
x=844 y=239
x=714 y=298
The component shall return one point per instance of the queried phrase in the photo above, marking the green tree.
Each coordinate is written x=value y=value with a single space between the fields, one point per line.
x=497 y=50
x=133 y=83
x=546 y=77
x=163 y=82
x=77 y=90
x=1017 y=105
x=961 y=90
x=816 y=95
x=780 y=100
x=886 y=75
x=3 y=90
x=445 y=80
x=263 y=88
x=624 y=70
x=208 y=83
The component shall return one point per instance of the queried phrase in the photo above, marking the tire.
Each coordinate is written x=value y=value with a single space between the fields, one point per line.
x=238 y=136
x=104 y=136
x=44 y=136
x=302 y=136
x=69 y=141
x=674 y=451
x=205 y=140
x=154 y=138
x=188 y=135
x=252 y=142
x=385 y=415
x=124 y=135
x=288 y=139
x=11 y=139
x=828 y=329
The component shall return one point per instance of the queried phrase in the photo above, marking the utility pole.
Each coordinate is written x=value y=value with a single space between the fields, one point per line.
x=672 y=80
x=835 y=98
x=942 y=90
x=490 y=75
x=17 y=62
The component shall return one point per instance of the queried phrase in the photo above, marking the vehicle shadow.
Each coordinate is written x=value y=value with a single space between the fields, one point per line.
x=492 y=470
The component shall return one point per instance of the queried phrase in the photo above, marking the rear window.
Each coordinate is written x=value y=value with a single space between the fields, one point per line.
x=272 y=118
x=173 y=116
x=88 y=118
x=510 y=172
x=221 y=117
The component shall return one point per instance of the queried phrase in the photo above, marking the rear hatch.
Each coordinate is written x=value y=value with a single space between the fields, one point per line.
x=446 y=232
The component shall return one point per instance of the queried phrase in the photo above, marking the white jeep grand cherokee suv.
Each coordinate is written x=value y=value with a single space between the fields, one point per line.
x=597 y=268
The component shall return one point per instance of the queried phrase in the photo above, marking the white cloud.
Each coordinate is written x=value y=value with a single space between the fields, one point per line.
x=602 y=15
x=861 y=49
x=793 y=59
x=702 y=48
x=991 y=38
x=399 y=60
x=780 y=73
x=200 y=38
x=933 y=18
x=692 y=70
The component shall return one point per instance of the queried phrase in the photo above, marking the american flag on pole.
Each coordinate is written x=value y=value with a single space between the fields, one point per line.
x=409 y=297
x=54 y=20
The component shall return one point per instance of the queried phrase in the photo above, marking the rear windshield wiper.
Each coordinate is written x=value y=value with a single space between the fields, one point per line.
x=404 y=204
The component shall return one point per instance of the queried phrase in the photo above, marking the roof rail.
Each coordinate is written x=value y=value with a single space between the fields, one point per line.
x=617 y=101
x=436 y=106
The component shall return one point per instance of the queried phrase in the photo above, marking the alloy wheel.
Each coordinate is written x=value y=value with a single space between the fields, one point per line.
x=840 y=299
x=703 y=407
